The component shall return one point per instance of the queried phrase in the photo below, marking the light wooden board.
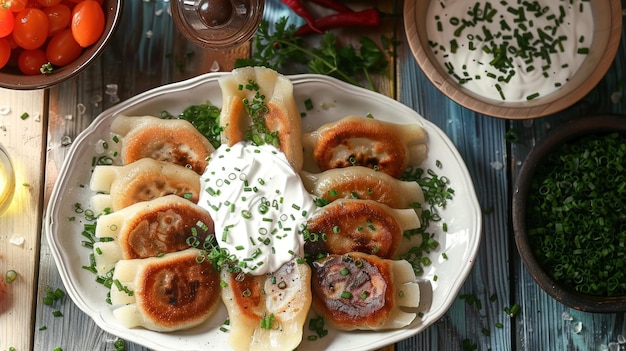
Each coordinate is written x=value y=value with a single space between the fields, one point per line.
x=25 y=142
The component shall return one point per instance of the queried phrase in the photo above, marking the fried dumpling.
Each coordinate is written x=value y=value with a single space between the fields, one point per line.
x=348 y=225
x=361 y=141
x=148 y=229
x=171 y=140
x=142 y=180
x=360 y=291
x=267 y=312
x=173 y=292
x=253 y=96
x=363 y=183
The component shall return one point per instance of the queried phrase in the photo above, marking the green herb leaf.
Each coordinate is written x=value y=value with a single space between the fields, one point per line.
x=282 y=50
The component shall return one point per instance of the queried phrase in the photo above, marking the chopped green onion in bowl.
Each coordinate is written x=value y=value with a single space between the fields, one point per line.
x=569 y=214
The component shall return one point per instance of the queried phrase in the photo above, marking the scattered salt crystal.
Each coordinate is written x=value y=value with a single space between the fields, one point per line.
x=567 y=316
x=149 y=34
x=68 y=117
x=111 y=89
x=99 y=148
x=497 y=165
x=241 y=9
x=215 y=66
x=37 y=117
x=96 y=100
x=578 y=327
x=616 y=97
x=327 y=105
x=158 y=12
x=5 y=110
x=81 y=108
x=66 y=140
x=17 y=240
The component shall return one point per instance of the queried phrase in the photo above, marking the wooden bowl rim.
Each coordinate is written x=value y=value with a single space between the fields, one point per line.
x=415 y=29
x=12 y=78
x=566 y=132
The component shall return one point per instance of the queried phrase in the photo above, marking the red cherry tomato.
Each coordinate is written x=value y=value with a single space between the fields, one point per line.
x=14 y=5
x=31 y=28
x=58 y=18
x=7 y=22
x=15 y=55
x=5 y=51
x=62 y=48
x=33 y=3
x=77 y=1
x=12 y=42
x=87 y=22
x=48 y=3
x=30 y=61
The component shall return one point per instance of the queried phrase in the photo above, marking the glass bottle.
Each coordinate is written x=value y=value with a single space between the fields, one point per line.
x=217 y=24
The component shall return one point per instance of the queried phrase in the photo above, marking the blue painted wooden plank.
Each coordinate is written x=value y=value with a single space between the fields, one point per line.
x=481 y=142
x=543 y=326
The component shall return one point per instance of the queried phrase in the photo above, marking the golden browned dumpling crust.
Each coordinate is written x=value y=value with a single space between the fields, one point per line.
x=143 y=180
x=165 y=229
x=149 y=229
x=172 y=292
x=171 y=140
x=349 y=225
x=177 y=292
x=360 y=182
x=361 y=141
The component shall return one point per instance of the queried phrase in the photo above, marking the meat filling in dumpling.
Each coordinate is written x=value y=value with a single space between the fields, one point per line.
x=148 y=229
x=359 y=291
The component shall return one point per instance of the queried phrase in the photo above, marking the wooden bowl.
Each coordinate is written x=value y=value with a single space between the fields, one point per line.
x=567 y=132
x=607 y=17
x=12 y=78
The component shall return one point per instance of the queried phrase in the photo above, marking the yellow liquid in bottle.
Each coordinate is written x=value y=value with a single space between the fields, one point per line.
x=7 y=181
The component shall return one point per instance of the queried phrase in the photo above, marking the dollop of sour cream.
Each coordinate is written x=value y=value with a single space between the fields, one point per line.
x=258 y=203
x=510 y=50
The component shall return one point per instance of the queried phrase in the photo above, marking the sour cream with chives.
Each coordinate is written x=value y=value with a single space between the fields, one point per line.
x=510 y=50
x=258 y=204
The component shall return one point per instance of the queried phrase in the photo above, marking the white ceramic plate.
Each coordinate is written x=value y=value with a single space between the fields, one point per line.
x=333 y=99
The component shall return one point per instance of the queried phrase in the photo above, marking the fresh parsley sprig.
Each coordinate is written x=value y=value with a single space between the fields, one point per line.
x=281 y=48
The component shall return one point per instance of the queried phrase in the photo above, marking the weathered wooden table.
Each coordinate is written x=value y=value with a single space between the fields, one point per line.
x=148 y=52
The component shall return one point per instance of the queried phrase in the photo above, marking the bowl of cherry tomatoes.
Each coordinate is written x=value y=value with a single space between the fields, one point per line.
x=45 y=42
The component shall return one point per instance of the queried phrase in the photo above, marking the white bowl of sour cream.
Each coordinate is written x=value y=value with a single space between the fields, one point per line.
x=514 y=60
